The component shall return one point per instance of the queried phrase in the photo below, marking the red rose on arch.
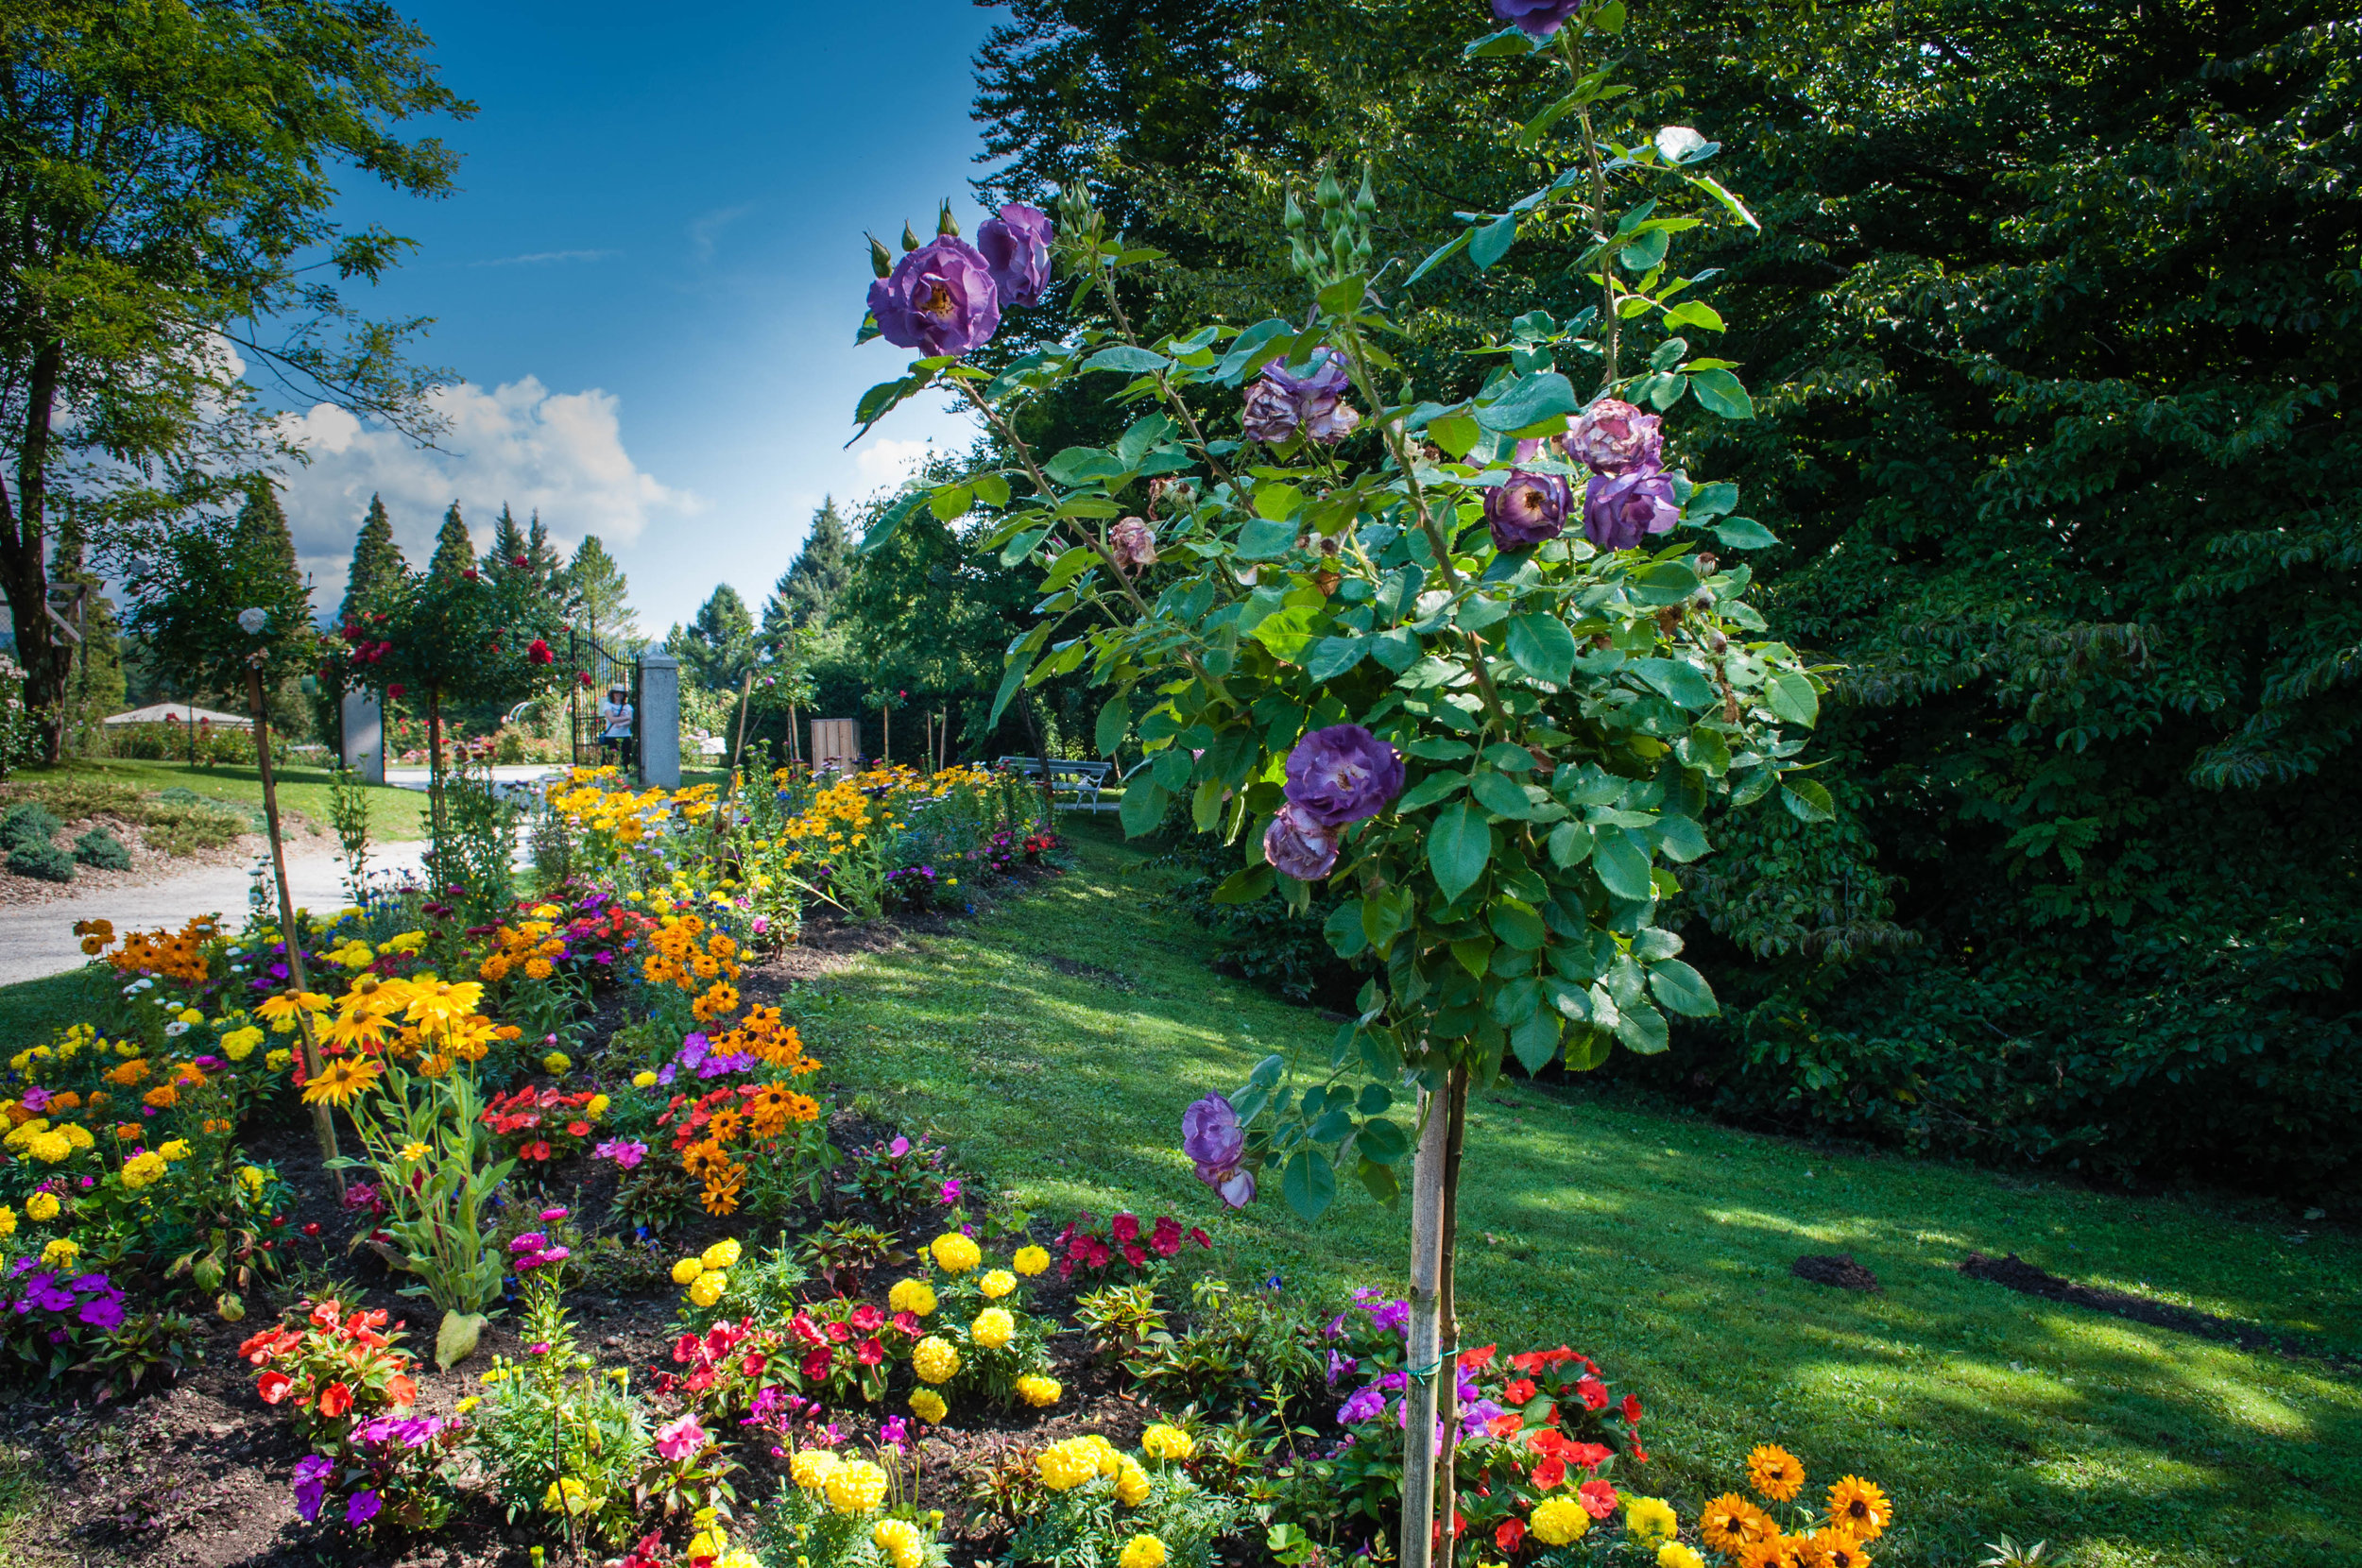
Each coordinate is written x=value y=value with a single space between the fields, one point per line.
x=539 y=652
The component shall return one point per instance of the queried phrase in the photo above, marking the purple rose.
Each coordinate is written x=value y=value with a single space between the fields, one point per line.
x=940 y=299
x=1211 y=1136
x=1278 y=404
x=1299 y=843
x=1527 y=508
x=1016 y=246
x=1620 y=510
x=1133 y=543
x=1343 y=773
x=1536 y=18
x=1612 y=436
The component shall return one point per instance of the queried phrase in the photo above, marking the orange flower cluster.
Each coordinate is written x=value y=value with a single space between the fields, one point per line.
x=175 y=955
x=714 y=1133
x=683 y=953
x=528 y=947
x=773 y=1043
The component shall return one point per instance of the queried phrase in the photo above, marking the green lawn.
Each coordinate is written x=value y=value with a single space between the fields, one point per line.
x=1660 y=1244
x=394 y=814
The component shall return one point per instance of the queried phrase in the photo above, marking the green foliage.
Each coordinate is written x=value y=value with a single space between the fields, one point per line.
x=807 y=591
x=44 y=862
x=102 y=851
x=28 y=826
x=597 y=593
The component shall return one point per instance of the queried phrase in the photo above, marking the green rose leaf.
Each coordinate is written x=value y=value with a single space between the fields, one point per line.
x=1542 y=647
x=1310 y=1184
x=1642 y=1030
x=1333 y=656
x=1682 y=989
x=1808 y=801
x=1622 y=864
x=1794 y=699
x=1245 y=886
x=1722 y=392
x=1500 y=796
x=1266 y=540
x=1535 y=1040
x=1458 y=846
x=1126 y=358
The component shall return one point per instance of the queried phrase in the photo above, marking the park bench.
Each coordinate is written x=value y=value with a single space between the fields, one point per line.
x=1082 y=777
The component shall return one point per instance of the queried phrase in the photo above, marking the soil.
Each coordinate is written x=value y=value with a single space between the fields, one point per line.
x=1838 y=1268
x=2020 y=1276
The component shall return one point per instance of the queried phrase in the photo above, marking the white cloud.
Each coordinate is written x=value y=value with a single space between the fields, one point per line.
x=537 y=258
x=558 y=453
x=887 y=461
x=706 y=230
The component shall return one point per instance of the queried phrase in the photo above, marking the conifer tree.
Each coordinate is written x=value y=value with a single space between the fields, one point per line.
x=548 y=562
x=261 y=531
x=597 y=592
x=377 y=565
x=455 y=554
x=509 y=558
x=807 y=590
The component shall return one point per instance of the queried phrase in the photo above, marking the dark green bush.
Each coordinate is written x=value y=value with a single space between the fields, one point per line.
x=44 y=860
x=28 y=826
x=103 y=850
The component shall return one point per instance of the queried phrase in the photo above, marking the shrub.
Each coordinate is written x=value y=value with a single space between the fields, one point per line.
x=28 y=826
x=44 y=860
x=103 y=850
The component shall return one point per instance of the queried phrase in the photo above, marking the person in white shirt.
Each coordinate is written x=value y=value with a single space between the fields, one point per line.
x=615 y=716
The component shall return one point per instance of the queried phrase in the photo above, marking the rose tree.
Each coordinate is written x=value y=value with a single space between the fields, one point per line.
x=1468 y=658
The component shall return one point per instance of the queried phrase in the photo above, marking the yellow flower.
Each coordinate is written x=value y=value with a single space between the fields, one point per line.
x=597 y=1106
x=41 y=1206
x=555 y=1063
x=856 y=1487
x=192 y=1016
x=8 y=1221
x=1142 y=1551
x=254 y=1176
x=143 y=1170
x=708 y=1288
x=1132 y=1486
x=277 y=1061
x=414 y=1152
x=61 y=1252
x=568 y=1496
x=239 y=1043
x=724 y=1253
x=1031 y=1260
x=176 y=1149
x=1038 y=1392
x=935 y=1360
x=1161 y=1442
x=643 y=1080
x=1064 y=1466
x=992 y=1328
x=1857 y=1507
x=915 y=1297
x=996 y=1284
x=1560 y=1520
x=1674 y=1554
x=1775 y=1473
x=902 y=1543
x=687 y=1271
x=810 y=1468
x=955 y=1254
x=1651 y=1519
x=340 y=1080
x=1836 y=1548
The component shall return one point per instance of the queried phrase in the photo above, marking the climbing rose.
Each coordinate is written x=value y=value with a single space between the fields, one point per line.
x=1300 y=844
x=1536 y=18
x=1343 y=773
x=1619 y=510
x=1211 y=1136
x=940 y=299
x=1133 y=543
x=1016 y=246
x=1612 y=436
x=539 y=652
x=1527 y=509
x=1279 y=404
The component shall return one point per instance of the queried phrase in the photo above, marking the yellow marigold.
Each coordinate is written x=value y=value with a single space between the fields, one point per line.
x=992 y=1328
x=239 y=1043
x=935 y=1360
x=61 y=1252
x=955 y=1254
x=899 y=1539
x=856 y=1487
x=1039 y=1392
x=8 y=1221
x=143 y=1170
x=1673 y=1554
x=176 y=1149
x=927 y=1406
x=810 y=1467
x=557 y=1062
x=1162 y=1441
x=277 y=1061
x=1560 y=1520
x=1064 y=1466
x=1651 y=1519
x=254 y=1176
x=643 y=1080
x=1132 y=1487
x=538 y=967
x=41 y=1206
x=724 y=1253
x=50 y=1147
x=915 y=1297
x=707 y=1287
x=687 y=1271
x=1142 y=1551
x=76 y=1136
x=1031 y=1260
x=1775 y=1473
x=1859 y=1507
x=597 y=1106
x=996 y=1284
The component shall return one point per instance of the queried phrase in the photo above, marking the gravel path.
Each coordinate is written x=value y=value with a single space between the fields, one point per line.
x=39 y=940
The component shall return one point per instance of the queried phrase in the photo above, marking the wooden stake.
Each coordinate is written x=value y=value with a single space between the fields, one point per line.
x=1448 y=1318
x=289 y=933
x=1425 y=1347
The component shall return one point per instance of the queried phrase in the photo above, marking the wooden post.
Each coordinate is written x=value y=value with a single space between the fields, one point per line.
x=1447 y=1317
x=434 y=771
x=729 y=781
x=1424 y=1338
x=289 y=933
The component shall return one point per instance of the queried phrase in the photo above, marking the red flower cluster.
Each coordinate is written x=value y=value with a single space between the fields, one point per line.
x=332 y=1369
x=539 y=652
x=361 y=647
x=1095 y=1251
x=541 y=1124
x=844 y=1346
x=729 y=1365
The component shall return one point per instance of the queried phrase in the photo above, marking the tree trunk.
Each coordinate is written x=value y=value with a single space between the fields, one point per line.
x=1040 y=737
x=290 y=935
x=1424 y=1339
x=435 y=768
x=23 y=564
x=1448 y=1318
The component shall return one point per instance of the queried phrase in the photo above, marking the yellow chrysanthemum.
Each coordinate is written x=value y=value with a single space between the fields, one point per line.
x=927 y=1406
x=175 y=1149
x=1857 y=1507
x=996 y=1284
x=1162 y=1441
x=1030 y=1260
x=915 y=1297
x=955 y=1254
x=1560 y=1520
x=1651 y=1519
x=724 y=1253
x=935 y=1360
x=902 y=1543
x=1132 y=1486
x=856 y=1486
x=1039 y=1392
x=1142 y=1551
x=1775 y=1473
x=992 y=1328
x=239 y=1043
x=1064 y=1466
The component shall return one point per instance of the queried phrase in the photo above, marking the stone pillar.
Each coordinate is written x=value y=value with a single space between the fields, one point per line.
x=365 y=735
x=659 y=720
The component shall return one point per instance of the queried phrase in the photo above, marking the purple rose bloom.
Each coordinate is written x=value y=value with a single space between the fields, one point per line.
x=1279 y=404
x=1133 y=543
x=1343 y=773
x=941 y=300
x=1536 y=18
x=1016 y=246
x=1620 y=510
x=362 y=1507
x=1612 y=436
x=1299 y=843
x=311 y=1485
x=1527 y=508
x=1366 y=1405
x=1211 y=1136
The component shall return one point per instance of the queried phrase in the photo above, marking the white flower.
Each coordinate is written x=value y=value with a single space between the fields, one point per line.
x=176 y=1028
x=252 y=620
x=1678 y=143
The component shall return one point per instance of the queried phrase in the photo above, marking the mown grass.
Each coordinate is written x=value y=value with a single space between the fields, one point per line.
x=1660 y=1243
x=129 y=787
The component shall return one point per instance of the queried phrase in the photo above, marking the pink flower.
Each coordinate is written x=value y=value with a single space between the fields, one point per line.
x=680 y=1439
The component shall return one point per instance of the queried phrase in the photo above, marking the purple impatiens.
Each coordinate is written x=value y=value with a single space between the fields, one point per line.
x=1211 y=1136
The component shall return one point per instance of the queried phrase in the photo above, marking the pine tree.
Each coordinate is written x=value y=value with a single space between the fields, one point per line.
x=719 y=644
x=455 y=554
x=509 y=557
x=377 y=567
x=260 y=533
x=547 y=561
x=807 y=590
x=596 y=592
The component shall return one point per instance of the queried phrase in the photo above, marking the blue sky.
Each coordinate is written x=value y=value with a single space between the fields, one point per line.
x=650 y=279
